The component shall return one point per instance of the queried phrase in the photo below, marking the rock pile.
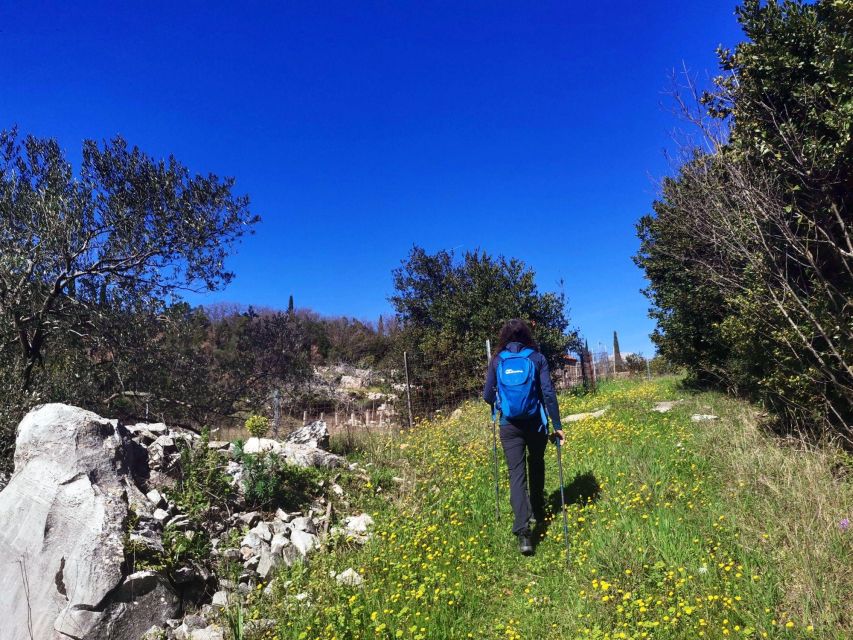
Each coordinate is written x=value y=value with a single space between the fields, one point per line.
x=88 y=502
x=348 y=385
x=304 y=447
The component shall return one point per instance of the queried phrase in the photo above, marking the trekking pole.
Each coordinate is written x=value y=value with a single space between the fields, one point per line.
x=495 y=452
x=563 y=497
x=494 y=441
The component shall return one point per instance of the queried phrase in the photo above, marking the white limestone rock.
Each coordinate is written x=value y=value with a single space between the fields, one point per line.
x=304 y=523
x=314 y=435
x=251 y=540
x=213 y=632
x=63 y=515
x=290 y=555
x=251 y=518
x=304 y=542
x=161 y=516
x=278 y=543
x=261 y=445
x=665 y=406
x=307 y=456
x=703 y=417
x=350 y=578
x=156 y=498
x=267 y=563
x=262 y=530
x=576 y=417
x=358 y=525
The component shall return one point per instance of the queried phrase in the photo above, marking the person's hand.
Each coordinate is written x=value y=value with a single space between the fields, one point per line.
x=558 y=433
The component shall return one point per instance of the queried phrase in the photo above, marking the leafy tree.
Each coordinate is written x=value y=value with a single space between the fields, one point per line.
x=125 y=232
x=449 y=307
x=185 y=366
x=660 y=366
x=635 y=364
x=687 y=307
x=749 y=254
x=253 y=355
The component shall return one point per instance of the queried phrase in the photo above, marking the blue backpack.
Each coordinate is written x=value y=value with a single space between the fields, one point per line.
x=518 y=394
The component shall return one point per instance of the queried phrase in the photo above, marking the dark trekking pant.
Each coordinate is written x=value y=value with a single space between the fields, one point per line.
x=524 y=448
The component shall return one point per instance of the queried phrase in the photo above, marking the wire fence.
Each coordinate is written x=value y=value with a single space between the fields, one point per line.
x=349 y=398
x=599 y=365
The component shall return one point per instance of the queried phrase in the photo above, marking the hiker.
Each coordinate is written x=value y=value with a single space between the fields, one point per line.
x=518 y=385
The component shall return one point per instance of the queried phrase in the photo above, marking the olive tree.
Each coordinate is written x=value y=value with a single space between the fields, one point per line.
x=126 y=231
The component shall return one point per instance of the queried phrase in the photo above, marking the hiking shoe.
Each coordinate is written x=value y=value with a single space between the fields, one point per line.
x=525 y=546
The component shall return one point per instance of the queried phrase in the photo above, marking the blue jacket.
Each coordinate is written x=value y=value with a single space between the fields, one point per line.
x=546 y=390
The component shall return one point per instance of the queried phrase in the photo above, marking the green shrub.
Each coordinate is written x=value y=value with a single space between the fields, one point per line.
x=269 y=482
x=257 y=426
x=204 y=482
x=179 y=549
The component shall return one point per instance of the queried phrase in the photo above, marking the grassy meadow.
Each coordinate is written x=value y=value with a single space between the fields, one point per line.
x=677 y=529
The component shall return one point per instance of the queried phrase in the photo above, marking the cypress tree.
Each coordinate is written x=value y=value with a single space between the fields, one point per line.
x=617 y=356
x=587 y=368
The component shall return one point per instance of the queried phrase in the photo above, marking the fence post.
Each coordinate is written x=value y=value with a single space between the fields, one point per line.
x=648 y=370
x=276 y=411
x=408 y=386
x=304 y=418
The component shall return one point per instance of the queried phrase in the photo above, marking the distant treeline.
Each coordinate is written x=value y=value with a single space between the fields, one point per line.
x=749 y=253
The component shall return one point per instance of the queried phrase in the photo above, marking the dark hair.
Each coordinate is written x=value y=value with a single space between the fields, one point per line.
x=516 y=330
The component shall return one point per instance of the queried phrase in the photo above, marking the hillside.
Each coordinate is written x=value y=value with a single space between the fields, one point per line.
x=678 y=528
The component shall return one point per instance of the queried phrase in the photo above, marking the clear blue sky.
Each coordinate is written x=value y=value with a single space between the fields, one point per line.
x=535 y=130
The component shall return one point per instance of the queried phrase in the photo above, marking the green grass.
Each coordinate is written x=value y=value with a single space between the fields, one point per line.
x=676 y=530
